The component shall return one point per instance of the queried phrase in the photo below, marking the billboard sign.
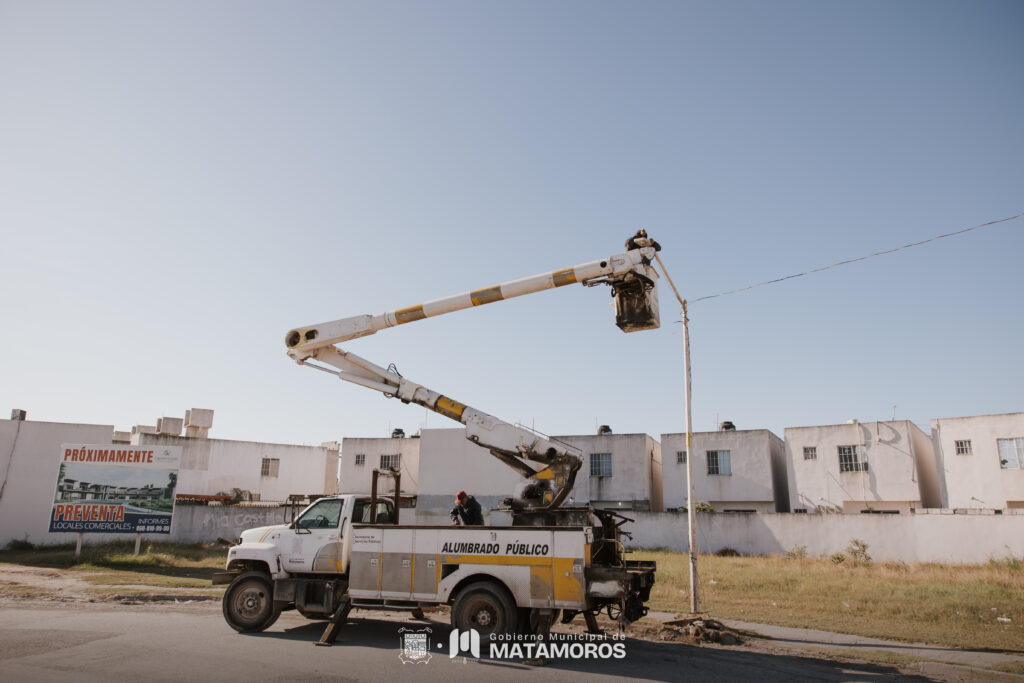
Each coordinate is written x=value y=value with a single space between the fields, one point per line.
x=115 y=488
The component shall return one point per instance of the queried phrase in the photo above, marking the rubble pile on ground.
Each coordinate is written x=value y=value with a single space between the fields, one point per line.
x=697 y=631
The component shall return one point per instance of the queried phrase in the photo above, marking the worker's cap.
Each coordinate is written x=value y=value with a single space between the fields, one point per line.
x=460 y=496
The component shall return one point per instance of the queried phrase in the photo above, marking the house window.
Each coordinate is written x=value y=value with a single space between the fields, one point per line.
x=851 y=459
x=269 y=467
x=360 y=458
x=810 y=452
x=720 y=462
x=388 y=461
x=680 y=457
x=600 y=464
x=1011 y=453
x=963 y=447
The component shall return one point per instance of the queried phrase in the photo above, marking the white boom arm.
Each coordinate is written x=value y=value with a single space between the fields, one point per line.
x=633 y=280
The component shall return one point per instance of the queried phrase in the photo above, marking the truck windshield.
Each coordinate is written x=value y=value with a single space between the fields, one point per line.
x=324 y=514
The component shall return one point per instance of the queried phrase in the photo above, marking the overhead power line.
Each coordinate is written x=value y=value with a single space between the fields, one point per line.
x=854 y=260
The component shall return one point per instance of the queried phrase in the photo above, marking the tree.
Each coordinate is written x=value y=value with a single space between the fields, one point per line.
x=172 y=483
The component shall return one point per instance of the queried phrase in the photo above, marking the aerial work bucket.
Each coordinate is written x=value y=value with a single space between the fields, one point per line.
x=636 y=305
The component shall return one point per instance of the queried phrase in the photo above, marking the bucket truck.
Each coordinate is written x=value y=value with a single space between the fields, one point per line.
x=348 y=551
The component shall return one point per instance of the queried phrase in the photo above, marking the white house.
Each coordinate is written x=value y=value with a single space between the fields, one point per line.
x=450 y=463
x=360 y=456
x=982 y=458
x=621 y=471
x=733 y=470
x=883 y=467
x=268 y=471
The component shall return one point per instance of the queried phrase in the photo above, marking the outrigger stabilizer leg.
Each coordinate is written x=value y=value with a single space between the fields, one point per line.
x=331 y=632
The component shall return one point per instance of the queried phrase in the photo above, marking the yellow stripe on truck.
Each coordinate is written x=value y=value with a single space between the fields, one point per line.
x=540 y=584
x=568 y=585
x=498 y=559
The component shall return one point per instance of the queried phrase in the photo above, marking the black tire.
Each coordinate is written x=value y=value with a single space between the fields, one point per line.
x=486 y=607
x=248 y=603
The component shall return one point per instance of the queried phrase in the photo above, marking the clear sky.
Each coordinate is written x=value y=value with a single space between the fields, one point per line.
x=182 y=183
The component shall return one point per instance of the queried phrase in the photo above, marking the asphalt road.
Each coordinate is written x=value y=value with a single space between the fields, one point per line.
x=169 y=642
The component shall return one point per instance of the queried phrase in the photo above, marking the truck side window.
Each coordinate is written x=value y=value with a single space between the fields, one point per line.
x=361 y=514
x=325 y=514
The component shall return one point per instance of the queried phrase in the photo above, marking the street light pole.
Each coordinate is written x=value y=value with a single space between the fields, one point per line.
x=691 y=513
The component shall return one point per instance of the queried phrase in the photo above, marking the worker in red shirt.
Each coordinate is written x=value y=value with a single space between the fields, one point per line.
x=467 y=511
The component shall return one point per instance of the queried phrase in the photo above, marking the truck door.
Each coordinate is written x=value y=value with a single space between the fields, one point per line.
x=313 y=544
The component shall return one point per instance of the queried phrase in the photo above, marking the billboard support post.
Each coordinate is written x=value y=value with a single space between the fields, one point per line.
x=78 y=546
x=138 y=541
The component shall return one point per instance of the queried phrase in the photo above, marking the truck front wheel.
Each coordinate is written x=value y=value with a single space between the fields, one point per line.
x=248 y=603
x=485 y=607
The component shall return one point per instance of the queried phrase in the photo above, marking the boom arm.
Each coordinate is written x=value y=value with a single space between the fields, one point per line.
x=633 y=281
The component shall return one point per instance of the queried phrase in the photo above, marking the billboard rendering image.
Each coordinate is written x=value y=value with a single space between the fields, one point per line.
x=115 y=488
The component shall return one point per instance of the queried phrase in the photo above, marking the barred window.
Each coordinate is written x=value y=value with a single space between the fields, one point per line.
x=810 y=452
x=360 y=458
x=1011 y=453
x=851 y=459
x=388 y=461
x=269 y=467
x=720 y=462
x=600 y=464
x=963 y=447
x=680 y=457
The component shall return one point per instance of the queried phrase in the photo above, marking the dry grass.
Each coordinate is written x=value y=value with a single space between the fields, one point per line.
x=957 y=606
x=158 y=564
x=1009 y=667
x=146 y=594
x=13 y=589
x=100 y=576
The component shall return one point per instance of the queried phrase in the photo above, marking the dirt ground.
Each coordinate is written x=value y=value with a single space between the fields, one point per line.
x=46 y=585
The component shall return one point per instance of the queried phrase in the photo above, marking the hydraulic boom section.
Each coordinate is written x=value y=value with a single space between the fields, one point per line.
x=633 y=280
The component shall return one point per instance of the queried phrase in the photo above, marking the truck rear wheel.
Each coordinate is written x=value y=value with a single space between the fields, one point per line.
x=248 y=603
x=485 y=607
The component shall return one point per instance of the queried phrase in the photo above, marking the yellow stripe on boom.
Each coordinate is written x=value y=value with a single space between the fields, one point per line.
x=408 y=315
x=563 y=277
x=488 y=295
x=450 y=408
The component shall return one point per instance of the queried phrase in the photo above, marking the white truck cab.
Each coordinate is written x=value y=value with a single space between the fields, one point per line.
x=314 y=542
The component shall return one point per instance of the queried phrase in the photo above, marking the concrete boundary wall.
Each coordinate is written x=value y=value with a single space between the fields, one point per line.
x=202 y=523
x=190 y=524
x=951 y=539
